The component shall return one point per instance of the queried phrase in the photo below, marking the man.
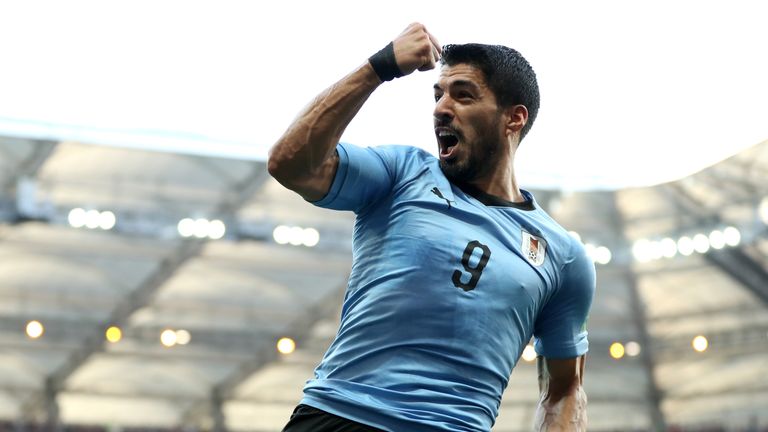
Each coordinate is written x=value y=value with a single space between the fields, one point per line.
x=454 y=267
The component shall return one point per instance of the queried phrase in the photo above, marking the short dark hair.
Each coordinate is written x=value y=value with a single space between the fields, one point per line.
x=508 y=74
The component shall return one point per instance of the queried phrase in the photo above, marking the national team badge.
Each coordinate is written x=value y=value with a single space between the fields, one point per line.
x=534 y=248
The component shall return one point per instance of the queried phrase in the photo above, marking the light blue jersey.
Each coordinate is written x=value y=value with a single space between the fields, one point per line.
x=444 y=294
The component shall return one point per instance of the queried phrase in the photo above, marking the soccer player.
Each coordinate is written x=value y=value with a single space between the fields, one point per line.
x=455 y=267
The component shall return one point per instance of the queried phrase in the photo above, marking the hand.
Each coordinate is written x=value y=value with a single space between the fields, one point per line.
x=416 y=49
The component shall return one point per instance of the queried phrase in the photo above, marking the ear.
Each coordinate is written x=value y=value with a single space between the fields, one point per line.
x=517 y=117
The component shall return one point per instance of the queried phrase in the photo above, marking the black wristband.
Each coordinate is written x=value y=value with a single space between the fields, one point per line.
x=384 y=63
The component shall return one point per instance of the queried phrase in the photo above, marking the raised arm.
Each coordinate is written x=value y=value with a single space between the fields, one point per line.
x=304 y=158
x=562 y=401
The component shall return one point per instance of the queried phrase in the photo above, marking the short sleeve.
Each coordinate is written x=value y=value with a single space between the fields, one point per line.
x=364 y=175
x=561 y=328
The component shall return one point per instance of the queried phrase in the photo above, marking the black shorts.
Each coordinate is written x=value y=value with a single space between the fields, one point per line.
x=308 y=419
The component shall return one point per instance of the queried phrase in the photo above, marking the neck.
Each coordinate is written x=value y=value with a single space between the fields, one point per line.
x=500 y=181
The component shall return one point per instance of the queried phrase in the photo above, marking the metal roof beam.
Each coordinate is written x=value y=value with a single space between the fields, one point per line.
x=299 y=331
x=30 y=166
x=743 y=268
x=736 y=262
x=18 y=202
x=647 y=355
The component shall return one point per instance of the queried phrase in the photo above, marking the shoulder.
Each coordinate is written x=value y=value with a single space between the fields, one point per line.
x=567 y=250
x=404 y=152
x=575 y=257
x=556 y=236
x=403 y=159
x=390 y=151
x=578 y=272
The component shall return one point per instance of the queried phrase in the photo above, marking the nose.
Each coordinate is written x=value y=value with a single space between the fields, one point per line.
x=443 y=113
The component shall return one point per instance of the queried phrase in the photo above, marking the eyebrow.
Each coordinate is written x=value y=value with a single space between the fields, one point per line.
x=458 y=83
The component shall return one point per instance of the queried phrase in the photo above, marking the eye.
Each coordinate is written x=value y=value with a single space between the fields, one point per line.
x=463 y=94
x=438 y=96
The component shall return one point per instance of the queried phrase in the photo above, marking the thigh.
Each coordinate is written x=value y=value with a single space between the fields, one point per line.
x=309 y=419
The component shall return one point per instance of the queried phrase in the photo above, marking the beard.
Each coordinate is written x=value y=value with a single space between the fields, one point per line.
x=480 y=157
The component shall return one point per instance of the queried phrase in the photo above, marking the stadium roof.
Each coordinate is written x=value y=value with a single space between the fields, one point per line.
x=234 y=297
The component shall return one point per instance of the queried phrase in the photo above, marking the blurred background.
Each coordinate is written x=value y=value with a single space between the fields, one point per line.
x=154 y=277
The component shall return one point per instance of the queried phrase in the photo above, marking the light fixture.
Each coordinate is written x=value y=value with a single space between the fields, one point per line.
x=529 y=353
x=656 y=250
x=616 y=350
x=700 y=243
x=168 y=338
x=589 y=249
x=216 y=229
x=645 y=250
x=310 y=237
x=603 y=255
x=76 y=218
x=113 y=334
x=668 y=247
x=685 y=246
x=641 y=249
x=717 y=239
x=107 y=220
x=700 y=343
x=79 y=218
x=281 y=234
x=286 y=345
x=183 y=337
x=762 y=210
x=186 y=227
x=200 y=228
x=92 y=219
x=35 y=329
x=632 y=348
x=732 y=236
x=296 y=235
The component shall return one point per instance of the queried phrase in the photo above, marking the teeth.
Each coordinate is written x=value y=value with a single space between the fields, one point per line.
x=444 y=133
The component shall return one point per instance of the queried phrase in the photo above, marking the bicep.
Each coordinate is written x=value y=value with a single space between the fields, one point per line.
x=362 y=175
x=314 y=186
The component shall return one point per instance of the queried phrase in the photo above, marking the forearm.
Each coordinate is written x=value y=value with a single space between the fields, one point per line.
x=568 y=414
x=562 y=402
x=303 y=159
x=311 y=139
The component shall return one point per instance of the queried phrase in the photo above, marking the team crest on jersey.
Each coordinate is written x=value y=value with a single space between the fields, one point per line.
x=534 y=248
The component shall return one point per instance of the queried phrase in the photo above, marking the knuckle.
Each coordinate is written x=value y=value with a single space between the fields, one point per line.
x=424 y=44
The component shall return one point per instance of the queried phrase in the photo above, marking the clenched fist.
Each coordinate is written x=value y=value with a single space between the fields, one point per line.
x=416 y=48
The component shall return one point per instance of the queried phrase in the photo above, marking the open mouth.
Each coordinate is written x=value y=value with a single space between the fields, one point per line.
x=447 y=139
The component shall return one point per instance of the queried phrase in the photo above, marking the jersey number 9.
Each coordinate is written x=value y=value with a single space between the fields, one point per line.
x=476 y=271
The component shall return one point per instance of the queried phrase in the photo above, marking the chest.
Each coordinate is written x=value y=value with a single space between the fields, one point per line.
x=496 y=257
